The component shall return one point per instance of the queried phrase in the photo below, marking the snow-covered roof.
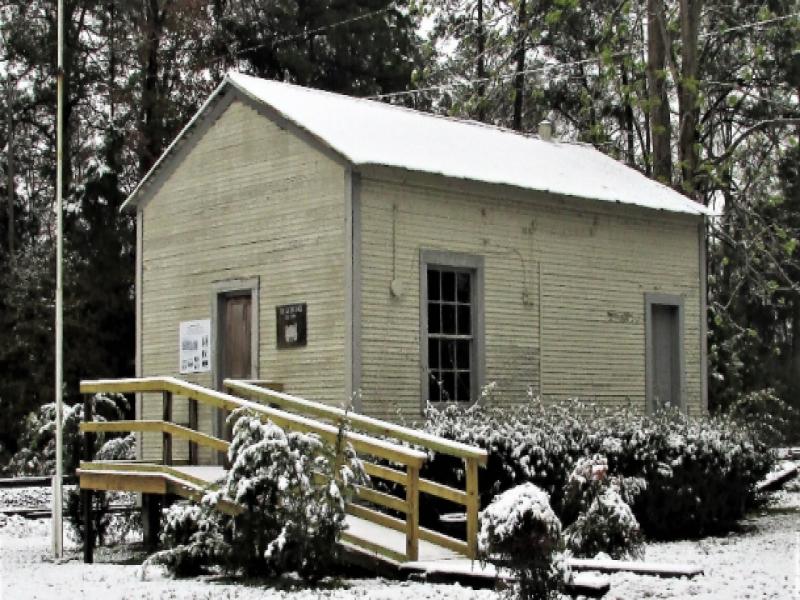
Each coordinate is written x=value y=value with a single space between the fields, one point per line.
x=366 y=132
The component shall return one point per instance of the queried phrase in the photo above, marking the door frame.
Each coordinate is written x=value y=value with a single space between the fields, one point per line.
x=226 y=289
x=661 y=299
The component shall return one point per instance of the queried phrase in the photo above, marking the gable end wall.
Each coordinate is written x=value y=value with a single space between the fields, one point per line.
x=249 y=200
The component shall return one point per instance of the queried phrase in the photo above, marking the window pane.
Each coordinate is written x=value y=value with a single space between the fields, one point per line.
x=462 y=353
x=448 y=286
x=434 y=393
x=433 y=284
x=463 y=287
x=448 y=318
x=448 y=354
x=433 y=353
x=463 y=387
x=448 y=386
x=464 y=319
x=434 y=318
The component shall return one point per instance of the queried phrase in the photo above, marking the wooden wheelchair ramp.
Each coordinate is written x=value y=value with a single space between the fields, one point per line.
x=382 y=529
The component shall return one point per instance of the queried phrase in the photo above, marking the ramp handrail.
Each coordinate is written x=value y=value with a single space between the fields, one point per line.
x=472 y=456
x=307 y=421
x=361 y=443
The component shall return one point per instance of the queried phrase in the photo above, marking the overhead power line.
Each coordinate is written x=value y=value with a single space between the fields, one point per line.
x=301 y=36
x=567 y=65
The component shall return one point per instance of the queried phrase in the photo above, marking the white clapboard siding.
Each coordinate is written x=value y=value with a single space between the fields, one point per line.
x=596 y=263
x=249 y=200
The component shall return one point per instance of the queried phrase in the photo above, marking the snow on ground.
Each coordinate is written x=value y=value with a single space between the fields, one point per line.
x=27 y=571
x=760 y=561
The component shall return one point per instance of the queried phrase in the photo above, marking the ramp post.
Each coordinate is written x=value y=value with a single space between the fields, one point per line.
x=473 y=506
x=412 y=513
x=166 y=438
x=86 y=494
x=151 y=519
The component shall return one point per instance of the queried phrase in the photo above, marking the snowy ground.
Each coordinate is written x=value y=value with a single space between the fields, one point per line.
x=761 y=561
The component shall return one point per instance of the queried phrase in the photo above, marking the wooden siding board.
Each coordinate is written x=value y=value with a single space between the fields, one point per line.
x=596 y=263
x=249 y=200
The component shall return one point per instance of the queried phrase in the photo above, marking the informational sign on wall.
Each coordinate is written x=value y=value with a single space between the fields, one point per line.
x=291 y=325
x=195 y=346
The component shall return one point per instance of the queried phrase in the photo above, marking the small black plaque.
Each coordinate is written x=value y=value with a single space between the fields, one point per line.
x=291 y=321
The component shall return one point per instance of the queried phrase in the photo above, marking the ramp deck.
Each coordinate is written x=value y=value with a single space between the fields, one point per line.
x=374 y=541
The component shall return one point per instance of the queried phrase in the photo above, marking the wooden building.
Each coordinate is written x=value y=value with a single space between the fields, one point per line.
x=338 y=245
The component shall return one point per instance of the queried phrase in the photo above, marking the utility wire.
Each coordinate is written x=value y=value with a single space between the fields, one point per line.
x=505 y=76
x=756 y=24
x=561 y=66
x=300 y=36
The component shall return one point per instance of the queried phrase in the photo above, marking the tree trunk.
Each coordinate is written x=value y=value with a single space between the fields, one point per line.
x=10 y=167
x=794 y=361
x=150 y=132
x=688 y=108
x=481 y=64
x=627 y=121
x=519 y=78
x=660 y=128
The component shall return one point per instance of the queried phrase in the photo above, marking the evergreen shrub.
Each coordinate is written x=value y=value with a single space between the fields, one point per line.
x=37 y=453
x=293 y=489
x=683 y=476
x=520 y=531
x=106 y=526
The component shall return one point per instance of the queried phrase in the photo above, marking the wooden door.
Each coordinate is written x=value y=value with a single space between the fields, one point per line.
x=236 y=337
x=235 y=343
x=666 y=356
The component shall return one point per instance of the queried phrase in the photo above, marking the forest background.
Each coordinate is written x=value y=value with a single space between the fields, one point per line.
x=703 y=95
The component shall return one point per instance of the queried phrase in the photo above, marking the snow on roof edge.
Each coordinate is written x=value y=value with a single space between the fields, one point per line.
x=690 y=207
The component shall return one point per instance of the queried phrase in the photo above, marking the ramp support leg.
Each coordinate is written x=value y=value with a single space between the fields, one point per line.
x=86 y=495
x=151 y=519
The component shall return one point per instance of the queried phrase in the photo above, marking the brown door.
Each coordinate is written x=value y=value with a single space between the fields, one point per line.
x=666 y=356
x=235 y=337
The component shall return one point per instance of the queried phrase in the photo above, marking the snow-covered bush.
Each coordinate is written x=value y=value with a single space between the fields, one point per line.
x=37 y=452
x=596 y=516
x=195 y=538
x=106 y=525
x=293 y=489
x=683 y=476
x=767 y=412
x=607 y=525
x=520 y=531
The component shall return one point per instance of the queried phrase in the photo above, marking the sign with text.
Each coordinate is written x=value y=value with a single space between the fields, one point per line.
x=194 y=341
x=291 y=322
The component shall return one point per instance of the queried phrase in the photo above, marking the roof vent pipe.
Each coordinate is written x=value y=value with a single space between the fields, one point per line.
x=546 y=130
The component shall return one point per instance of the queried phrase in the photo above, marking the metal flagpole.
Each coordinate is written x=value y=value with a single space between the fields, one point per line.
x=58 y=527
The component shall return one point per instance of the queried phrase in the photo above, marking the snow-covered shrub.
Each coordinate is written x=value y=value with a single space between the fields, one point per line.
x=119 y=448
x=294 y=492
x=683 y=476
x=106 y=525
x=607 y=525
x=195 y=538
x=293 y=489
x=587 y=480
x=38 y=447
x=765 y=410
x=519 y=530
x=596 y=516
